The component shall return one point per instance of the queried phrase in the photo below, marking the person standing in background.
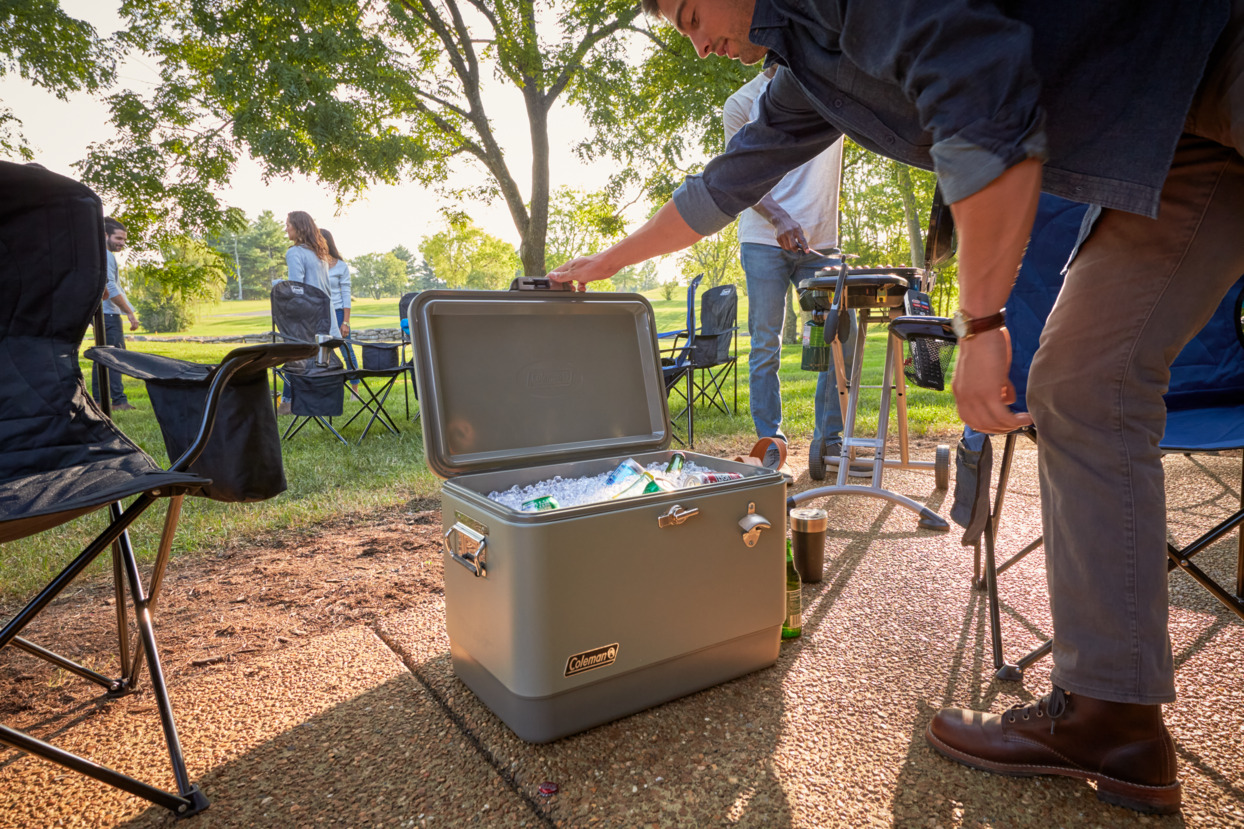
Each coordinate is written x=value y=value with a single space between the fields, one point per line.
x=339 y=290
x=115 y=304
x=780 y=240
x=307 y=262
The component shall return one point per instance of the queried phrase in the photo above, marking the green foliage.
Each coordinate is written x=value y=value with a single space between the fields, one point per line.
x=164 y=292
x=464 y=256
x=257 y=252
x=47 y=47
x=377 y=275
x=636 y=278
x=580 y=223
x=354 y=94
x=717 y=257
x=885 y=216
x=656 y=118
x=668 y=289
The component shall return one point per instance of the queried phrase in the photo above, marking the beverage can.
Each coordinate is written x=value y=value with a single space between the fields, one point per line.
x=629 y=468
x=544 y=502
x=710 y=477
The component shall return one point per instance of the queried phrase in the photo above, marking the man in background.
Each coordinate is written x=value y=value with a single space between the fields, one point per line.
x=781 y=240
x=115 y=304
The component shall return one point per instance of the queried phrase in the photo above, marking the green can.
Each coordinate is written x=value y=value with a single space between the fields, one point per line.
x=541 y=504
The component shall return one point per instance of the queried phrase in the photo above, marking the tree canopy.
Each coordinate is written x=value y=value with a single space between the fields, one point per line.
x=377 y=275
x=464 y=256
x=47 y=47
x=355 y=93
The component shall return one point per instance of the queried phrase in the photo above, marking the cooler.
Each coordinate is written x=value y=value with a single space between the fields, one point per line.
x=565 y=619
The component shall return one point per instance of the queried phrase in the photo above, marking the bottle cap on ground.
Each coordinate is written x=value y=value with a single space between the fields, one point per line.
x=808 y=520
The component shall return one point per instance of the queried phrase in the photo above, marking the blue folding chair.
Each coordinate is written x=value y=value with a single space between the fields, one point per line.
x=676 y=365
x=1205 y=412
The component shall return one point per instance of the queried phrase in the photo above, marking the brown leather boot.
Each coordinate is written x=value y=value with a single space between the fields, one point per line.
x=1124 y=748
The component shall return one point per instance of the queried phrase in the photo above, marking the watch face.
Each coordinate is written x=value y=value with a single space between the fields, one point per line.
x=959 y=325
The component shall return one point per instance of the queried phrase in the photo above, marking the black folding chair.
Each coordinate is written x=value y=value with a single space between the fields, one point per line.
x=713 y=348
x=407 y=362
x=61 y=457
x=303 y=314
x=675 y=368
x=708 y=348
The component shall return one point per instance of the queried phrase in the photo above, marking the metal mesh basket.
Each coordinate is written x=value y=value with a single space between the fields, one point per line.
x=928 y=361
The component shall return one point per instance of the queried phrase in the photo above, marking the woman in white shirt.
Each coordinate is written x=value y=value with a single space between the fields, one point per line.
x=339 y=290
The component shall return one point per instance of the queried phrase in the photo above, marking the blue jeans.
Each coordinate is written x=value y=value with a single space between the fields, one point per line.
x=114 y=335
x=770 y=272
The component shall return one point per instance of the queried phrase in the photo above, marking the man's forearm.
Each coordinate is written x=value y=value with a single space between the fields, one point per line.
x=665 y=232
x=994 y=225
x=770 y=210
x=121 y=302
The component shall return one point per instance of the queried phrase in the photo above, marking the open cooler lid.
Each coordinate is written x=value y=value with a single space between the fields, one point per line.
x=509 y=379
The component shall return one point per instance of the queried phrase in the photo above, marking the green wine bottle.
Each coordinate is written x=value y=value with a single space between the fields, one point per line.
x=792 y=625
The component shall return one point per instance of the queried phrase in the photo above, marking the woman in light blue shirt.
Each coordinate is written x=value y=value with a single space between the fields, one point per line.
x=339 y=290
x=307 y=261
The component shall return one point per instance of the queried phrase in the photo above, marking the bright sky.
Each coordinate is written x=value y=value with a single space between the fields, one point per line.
x=59 y=133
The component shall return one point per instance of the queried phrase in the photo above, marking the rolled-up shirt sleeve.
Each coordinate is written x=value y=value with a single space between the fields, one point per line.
x=967 y=69
x=786 y=133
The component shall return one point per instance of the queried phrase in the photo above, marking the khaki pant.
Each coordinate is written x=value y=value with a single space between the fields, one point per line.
x=1137 y=292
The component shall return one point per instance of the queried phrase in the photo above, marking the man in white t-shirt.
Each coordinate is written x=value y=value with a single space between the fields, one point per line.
x=779 y=239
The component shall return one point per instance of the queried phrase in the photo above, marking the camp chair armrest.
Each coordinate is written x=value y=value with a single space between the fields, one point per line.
x=240 y=363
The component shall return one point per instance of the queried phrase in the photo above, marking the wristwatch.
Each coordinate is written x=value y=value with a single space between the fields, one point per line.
x=966 y=327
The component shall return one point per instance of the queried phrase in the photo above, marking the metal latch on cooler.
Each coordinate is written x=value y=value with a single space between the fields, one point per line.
x=677 y=515
x=751 y=525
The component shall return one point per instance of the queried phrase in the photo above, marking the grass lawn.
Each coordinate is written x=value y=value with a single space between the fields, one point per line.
x=327 y=479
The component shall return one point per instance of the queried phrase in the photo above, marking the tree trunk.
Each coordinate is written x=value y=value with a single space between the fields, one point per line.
x=914 y=236
x=790 y=329
x=532 y=250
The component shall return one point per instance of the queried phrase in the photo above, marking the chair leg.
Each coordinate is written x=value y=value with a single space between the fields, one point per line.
x=375 y=405
x=193 y=799
x=188 y=800
x=118 y=587
x=157 y=579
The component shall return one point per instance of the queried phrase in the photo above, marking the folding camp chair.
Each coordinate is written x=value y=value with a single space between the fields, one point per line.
x=689 y=322
x=302 y=314
x=676 y=366
x=677 y=372
x=710 y=346
x=713 y=348
x=407 y=362
x=61 y=457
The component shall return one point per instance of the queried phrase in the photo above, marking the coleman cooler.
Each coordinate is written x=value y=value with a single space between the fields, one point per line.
x=564 y=619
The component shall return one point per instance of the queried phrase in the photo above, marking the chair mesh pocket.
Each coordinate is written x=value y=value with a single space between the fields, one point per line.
x=928 y=361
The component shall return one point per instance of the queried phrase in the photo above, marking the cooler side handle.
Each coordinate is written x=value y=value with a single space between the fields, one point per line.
x=476 y=562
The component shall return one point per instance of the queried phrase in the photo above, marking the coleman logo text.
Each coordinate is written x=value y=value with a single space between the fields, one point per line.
x=589 y=660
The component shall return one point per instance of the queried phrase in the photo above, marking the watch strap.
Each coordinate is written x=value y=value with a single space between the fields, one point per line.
x=971 y=326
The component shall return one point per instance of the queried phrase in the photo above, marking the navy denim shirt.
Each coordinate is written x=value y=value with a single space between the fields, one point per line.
x=1099 y=90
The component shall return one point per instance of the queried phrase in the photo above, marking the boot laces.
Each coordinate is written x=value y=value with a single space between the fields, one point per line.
x=1052 y=705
